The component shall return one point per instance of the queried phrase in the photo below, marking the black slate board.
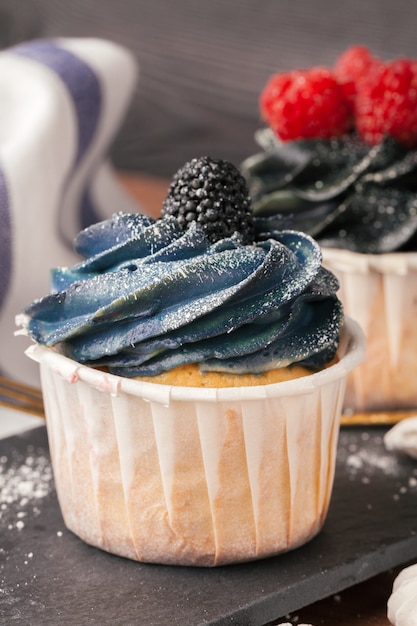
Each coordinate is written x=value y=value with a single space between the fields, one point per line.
x=48 y=576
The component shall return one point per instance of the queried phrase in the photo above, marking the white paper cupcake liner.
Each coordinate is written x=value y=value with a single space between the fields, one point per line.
x=193 y=476
x=380 y=293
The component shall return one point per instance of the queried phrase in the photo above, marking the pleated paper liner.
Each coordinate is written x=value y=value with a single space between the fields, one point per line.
x=380 y=293
x=194 y=476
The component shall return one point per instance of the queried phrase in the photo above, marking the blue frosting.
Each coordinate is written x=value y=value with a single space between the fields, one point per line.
x=148 y=297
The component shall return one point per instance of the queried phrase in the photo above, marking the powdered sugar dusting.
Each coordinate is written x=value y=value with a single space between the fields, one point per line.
x=24 y=482
x=362 y=458
x=366 y=459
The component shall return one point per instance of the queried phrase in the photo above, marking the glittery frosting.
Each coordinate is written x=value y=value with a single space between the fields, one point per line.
x=148 y=297
x=343 y=192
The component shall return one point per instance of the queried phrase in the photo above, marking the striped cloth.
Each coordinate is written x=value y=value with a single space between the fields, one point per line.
x=61 y=103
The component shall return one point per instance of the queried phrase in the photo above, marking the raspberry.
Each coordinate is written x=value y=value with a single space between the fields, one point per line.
x=352 y=66
x=213 y=193
x=305 y=104
x=386 y=103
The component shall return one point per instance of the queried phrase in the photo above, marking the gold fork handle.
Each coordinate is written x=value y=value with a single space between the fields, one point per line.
x=17 y=395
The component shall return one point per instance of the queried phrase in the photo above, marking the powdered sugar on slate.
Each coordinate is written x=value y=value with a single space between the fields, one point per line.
x=24 y=482
x=366 y=459
x=362 y=458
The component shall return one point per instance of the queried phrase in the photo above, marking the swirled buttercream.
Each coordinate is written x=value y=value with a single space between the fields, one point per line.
x=148 y=297
x=343 y=192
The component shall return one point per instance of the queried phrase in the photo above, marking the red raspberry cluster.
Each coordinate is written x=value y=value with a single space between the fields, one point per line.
x=360 y=93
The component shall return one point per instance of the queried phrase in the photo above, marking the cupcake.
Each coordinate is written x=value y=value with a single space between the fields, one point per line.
x=193 y=379
x=339 y=162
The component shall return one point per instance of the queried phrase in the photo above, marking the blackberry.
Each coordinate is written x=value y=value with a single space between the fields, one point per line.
x=213 y=193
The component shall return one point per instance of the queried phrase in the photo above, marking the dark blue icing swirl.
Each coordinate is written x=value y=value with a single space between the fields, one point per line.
x=343 y=192
x=148 y=297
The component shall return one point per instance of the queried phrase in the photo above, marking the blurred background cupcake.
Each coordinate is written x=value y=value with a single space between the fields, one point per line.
x=338 y=160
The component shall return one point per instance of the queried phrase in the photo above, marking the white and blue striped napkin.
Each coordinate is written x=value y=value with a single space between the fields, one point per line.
x=62 y=102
